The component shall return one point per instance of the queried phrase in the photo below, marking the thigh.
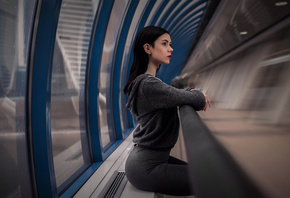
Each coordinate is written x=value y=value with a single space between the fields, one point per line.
x=172 y=179
x=157 y=172
x=173 y=160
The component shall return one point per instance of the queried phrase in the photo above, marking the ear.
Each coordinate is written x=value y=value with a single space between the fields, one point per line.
x=147 y=48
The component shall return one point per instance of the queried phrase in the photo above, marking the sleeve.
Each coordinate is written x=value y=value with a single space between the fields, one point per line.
x=161 y=95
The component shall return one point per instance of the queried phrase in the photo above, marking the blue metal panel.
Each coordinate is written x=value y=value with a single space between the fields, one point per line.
x=181 y=48
x=194 y=18
x=80 y=181
x=173 y=16
x=40 y=98
x=186 y=26
x=112 y=148
x=190 y=34
x=160 y=24
x=141 y=25
x=179 y=34
x=62 y=189
x=101 y=22
x=117 y=68
x=157 y=14
x=144 y=18
x=184 y=13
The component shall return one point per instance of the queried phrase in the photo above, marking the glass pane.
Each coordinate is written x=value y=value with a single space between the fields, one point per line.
x=104 y=99
x=152 y=14
x=125 y=62
x=68 y=123
x=174 y=13
x=167 y=7
x=16 y=23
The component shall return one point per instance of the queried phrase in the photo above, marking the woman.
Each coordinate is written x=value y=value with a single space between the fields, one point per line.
x=149 y=166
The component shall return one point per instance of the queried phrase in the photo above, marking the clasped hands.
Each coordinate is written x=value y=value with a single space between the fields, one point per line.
x=207 y=101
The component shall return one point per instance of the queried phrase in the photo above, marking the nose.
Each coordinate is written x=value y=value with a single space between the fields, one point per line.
x=170 y=49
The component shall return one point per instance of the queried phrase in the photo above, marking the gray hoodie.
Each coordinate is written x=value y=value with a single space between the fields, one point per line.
x=155 y=105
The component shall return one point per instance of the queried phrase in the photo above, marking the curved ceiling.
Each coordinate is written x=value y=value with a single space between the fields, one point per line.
x=182 y=19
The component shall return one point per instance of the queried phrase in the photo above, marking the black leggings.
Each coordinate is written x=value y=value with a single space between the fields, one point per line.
x=157 y=171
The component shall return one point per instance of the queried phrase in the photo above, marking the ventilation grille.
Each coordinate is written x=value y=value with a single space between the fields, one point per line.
x=115 y=185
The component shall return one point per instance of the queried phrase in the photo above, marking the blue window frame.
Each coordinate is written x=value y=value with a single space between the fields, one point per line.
x=117 y=89
x=106 y=119
x=70 y=144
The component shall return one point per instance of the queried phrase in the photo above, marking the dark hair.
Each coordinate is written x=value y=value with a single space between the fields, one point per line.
x=148 y=35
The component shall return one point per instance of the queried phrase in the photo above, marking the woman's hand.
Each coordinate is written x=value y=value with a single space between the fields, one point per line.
x=207 y=102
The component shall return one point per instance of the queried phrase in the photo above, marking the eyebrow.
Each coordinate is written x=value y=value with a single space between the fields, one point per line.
x=166 y=40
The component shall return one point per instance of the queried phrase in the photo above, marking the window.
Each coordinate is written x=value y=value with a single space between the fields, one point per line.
x=68 y=121
x=16 y=23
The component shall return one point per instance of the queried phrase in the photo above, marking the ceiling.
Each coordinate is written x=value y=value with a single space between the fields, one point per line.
x=234 y=23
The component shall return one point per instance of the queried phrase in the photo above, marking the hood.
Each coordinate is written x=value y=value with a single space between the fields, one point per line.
x=132 y=93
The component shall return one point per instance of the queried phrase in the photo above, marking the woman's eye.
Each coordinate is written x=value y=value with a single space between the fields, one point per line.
x=163 y=43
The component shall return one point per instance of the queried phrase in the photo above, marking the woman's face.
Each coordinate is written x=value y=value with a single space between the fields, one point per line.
x=161 y=52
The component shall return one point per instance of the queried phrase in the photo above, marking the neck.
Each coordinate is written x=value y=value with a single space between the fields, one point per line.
x=151 y=69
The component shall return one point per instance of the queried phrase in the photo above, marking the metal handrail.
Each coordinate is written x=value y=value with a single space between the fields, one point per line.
x=213 y=171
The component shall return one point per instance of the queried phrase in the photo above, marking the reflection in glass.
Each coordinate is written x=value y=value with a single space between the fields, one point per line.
x=255 y=81
x=125 y=62
x=16 y=23
x=68 y=128
x=250 y=114
x=104 y=100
